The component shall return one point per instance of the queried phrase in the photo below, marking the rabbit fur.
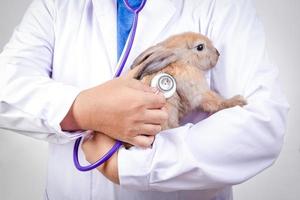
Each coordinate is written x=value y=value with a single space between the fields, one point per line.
x=186 y=57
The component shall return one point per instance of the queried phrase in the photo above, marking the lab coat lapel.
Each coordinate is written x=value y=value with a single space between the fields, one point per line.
x=152 y=20
x=105 y=12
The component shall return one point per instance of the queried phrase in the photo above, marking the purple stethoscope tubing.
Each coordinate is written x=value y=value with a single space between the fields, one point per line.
x=124 y=58
x=132 y=34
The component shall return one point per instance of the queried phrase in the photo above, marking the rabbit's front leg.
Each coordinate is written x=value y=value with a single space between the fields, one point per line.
x=211 y=102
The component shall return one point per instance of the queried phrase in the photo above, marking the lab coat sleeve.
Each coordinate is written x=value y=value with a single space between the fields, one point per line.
x=31 y=102
x=232 y=145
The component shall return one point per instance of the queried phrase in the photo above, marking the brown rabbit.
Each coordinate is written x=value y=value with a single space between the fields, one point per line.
x=184 y=56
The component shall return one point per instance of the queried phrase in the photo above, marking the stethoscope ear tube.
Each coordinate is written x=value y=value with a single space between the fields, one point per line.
x=124 y=58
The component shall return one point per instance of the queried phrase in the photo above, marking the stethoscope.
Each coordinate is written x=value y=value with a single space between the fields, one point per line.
x=165 y=83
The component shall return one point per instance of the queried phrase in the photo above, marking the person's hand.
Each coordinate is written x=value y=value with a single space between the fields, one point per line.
x=97 y=146
x=123 y=108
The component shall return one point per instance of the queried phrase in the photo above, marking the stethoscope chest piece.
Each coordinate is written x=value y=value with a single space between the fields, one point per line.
x=165 y=83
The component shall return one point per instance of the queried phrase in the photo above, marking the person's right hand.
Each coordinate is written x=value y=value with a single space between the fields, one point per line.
x=122 y=108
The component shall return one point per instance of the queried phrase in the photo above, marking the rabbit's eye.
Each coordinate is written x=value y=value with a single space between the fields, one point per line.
x=200 y=47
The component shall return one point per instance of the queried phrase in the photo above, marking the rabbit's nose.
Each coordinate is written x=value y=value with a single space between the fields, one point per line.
x=217 y=52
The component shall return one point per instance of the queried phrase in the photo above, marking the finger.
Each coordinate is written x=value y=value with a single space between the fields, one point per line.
x=157 y=116
x=142 y=141
x=165 y=109
x=137 y=84
x=155 y=101
x=150 y=129
x=145 y=129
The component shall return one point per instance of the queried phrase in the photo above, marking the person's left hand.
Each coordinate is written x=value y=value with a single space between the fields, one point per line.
x=95 y=147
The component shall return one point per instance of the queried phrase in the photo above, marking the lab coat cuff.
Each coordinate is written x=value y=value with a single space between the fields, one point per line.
x=67 y=96
x=134 y=166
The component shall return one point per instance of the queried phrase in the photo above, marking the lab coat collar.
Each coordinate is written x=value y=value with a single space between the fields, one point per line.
x=152 y=20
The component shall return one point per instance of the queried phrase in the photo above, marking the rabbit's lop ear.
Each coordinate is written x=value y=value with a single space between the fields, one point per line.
x=153 y=60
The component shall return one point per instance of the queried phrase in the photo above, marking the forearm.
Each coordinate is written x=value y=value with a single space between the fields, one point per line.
x=97 y=146
x=110 y=169
x=32 y=126
x=203 y=156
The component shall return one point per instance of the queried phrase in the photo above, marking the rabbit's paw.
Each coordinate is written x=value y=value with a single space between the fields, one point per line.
x=237 y=100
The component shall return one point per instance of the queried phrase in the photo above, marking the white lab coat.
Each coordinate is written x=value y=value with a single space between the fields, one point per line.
x=64 y=46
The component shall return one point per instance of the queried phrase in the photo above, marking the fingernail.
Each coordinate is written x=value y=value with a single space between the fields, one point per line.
x=154 y=89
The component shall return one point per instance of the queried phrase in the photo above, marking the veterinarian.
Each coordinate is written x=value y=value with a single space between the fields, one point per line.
x=56 y=83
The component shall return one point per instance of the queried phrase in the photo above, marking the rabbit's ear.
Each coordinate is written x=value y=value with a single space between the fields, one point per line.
x=152 y=60
x=144 y=55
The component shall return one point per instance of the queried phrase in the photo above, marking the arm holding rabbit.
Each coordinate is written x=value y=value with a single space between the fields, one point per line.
x=230 y=146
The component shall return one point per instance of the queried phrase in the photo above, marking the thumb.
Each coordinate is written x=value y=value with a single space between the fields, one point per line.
x=132 y=74
x=138 y=85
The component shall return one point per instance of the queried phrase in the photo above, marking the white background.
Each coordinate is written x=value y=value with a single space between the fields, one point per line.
x=23 y=161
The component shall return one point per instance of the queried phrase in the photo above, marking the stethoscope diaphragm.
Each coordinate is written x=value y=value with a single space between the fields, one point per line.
x=165 y=83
